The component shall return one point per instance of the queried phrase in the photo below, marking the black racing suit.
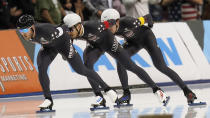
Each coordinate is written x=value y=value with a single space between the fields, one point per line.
x=54 y=40
x=136 y=38
x=104 y=41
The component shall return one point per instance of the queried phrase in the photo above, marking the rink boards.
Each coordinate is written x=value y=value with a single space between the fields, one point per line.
x=180 y=49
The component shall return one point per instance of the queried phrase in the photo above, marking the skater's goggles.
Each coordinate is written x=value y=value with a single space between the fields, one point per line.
x=24 y=30
x=71 y=29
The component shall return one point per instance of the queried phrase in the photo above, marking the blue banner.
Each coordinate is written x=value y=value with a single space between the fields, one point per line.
x=206 y=48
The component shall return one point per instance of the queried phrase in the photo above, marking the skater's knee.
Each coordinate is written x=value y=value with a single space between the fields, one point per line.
x=88 y=65
x=161 y=67
x=82 y=71
x=42 y=69
x=132 y=68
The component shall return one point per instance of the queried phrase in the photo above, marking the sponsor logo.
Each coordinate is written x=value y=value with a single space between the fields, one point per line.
x=92 y=37
x=128 y=33
x=17 y=72
x=43 y=41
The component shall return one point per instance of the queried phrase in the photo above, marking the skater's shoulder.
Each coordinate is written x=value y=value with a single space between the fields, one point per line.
x=44 y=25
x=91 y=23
x=127 y=19
x=44 y=28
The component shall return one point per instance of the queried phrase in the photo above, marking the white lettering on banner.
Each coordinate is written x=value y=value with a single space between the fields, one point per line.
x=29 y=65
x=9 y=78
x=2 y=68
x=13 y=62
x=17 y=63
x=13 y=78
x=5 y=63
x=2 y=86
x=22 y=62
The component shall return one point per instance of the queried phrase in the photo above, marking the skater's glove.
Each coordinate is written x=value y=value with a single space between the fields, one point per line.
x=142 y=21
x=148 y=19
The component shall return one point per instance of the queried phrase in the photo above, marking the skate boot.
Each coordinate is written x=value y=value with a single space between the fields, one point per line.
x=46 y=106
x=125 y=99
x=113 y=96
x=99 y=104
x=191 y=97
x=163 y=98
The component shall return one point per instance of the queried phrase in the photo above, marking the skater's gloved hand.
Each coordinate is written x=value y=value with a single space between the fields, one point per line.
x=64 y=58
x=148 y=19
x=141 y=21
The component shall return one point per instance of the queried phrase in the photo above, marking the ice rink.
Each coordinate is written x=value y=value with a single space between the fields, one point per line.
x=76 y=105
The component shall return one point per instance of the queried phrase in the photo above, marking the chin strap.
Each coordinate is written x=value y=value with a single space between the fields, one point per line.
x=32 y=34
x=78 y=31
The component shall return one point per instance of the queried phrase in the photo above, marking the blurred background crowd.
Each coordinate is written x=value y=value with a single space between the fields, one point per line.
x=52 y=11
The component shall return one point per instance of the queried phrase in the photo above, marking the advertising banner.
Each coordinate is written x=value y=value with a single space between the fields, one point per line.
x=17 y=73
x=194 y=50
x=180 y=50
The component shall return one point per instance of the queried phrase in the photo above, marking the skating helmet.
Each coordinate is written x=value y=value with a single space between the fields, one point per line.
x=25 y=21
x=71 y=19
x=109 y=14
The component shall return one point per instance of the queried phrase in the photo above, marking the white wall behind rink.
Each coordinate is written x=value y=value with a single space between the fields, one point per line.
x=62 y=78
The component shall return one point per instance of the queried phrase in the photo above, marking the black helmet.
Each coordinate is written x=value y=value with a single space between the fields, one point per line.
x=25 y=21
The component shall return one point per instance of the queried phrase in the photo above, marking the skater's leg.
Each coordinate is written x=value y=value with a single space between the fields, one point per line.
x=44 y=59
x=152 y=47
x=90 y=57
x=158 y=61
x=122 y=73
x=121 y=70
x=68 y=51
x=123 y=58
x=81 y=69
x=123 y=76
x=121 y=55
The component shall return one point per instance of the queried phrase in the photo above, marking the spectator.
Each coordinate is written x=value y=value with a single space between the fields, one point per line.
x=4 y=15
x=79 y=7
x=174 y=9
x=157 y=10
x=136 y=8
x=183 y=10
x=117 y=4
x=49 y=11
x=191 y=9
x=67 y=6
x=96 y=7
x=206 y=9
x=25 y=6
x=20 y=7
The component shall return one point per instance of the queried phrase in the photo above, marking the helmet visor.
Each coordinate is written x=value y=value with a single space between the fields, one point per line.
x=24 y=30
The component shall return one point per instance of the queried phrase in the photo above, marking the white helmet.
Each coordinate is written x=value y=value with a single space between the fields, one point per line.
x=109 y=14
x=71 y=19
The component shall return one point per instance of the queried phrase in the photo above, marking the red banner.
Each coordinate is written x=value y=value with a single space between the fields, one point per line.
x=17 y=72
